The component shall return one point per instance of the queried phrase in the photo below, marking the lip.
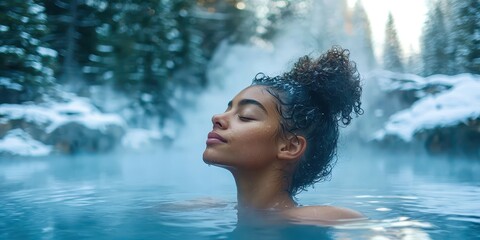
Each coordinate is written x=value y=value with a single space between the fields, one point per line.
x=214 y=137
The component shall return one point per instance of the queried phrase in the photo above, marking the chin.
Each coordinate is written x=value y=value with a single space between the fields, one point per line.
x=207 y=158
x=211 y=161
x=215 y=161
x=207 y=161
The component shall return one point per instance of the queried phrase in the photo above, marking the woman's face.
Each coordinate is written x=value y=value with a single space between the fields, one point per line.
x=245 y=135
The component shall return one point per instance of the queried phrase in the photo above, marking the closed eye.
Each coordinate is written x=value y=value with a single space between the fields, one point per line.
x=245 y=119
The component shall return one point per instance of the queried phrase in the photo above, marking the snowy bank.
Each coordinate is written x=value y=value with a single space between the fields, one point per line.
x=457 y=106
x=54 y=114
x=392 y=81
x=66 y=126
x=18 y=142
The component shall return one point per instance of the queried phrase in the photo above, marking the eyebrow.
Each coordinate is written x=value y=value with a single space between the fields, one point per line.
x=247 y=101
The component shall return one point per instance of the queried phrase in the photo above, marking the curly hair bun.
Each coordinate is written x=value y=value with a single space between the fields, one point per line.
x=333 y=82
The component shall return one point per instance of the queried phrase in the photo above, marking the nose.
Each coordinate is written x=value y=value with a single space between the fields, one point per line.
x=219 y=121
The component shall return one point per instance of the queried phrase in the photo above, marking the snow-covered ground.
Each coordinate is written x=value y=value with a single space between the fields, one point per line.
x=18 y=142
x=54 y=114
x=49 y=116
x=460 y=103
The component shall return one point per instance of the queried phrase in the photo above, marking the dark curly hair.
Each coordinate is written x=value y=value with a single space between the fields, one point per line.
x=314 y=97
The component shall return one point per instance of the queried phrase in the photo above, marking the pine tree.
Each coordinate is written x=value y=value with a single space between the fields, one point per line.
x=25 y=59
x=139 y=47
x=152 y=49
x=448 y=13
x=414 y=62
x=392 y=52
x=362 y=36
x=72 y=35
x=254 y=22
x=328 y=22
x=434 y=43
x=465 y=35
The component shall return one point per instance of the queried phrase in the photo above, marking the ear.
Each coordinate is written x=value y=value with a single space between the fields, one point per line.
x=292 y=148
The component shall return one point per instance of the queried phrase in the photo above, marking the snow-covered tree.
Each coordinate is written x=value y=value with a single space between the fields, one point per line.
x=152 y=49
x=72 y=34
x=414 y=62
x=328 y=23
x=26 y=61
x=392 y=51
x=435 y=43
x=362 y=37
x=465 y=35
x=448 y=13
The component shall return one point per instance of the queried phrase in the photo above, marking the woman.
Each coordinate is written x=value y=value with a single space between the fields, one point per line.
x=279 y=135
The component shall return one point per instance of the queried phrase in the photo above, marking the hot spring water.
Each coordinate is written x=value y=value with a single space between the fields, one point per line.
x=169 y=193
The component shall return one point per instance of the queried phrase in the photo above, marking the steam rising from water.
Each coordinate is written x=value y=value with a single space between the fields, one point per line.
x=232 y=69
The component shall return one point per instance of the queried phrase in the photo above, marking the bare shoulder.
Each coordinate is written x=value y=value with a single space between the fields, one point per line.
x=323 y=215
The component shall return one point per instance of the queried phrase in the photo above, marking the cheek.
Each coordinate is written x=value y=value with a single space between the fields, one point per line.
x=258 y=141
x=260 y=134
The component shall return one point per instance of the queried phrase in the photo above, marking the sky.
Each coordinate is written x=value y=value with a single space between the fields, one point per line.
x=408 y=15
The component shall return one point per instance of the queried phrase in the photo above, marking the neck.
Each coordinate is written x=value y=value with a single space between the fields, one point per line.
x=265 y=189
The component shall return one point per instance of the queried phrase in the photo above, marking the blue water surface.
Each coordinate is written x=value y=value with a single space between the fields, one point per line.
x=169 y=193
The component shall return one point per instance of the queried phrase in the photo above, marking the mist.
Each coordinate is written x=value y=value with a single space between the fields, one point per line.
x=103 y=120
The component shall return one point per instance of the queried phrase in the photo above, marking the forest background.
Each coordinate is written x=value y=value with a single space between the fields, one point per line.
x=151 y=56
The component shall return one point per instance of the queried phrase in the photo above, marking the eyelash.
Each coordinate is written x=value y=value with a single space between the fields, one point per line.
x=245 y=118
